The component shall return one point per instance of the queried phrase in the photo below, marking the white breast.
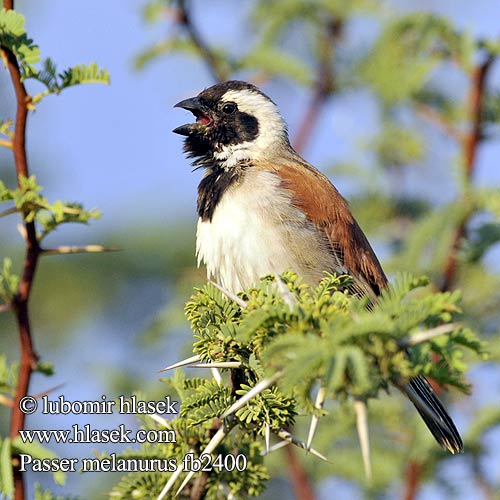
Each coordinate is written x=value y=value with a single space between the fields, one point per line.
x=255 y=230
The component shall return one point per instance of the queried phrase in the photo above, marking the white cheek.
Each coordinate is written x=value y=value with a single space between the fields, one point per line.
x=272 y=129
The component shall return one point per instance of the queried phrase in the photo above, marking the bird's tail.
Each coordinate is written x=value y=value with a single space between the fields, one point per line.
x=422 y=395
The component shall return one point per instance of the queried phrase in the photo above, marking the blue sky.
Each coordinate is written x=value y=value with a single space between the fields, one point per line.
x=111 y=146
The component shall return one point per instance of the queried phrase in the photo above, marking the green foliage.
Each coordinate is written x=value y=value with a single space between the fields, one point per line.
x=6 y=473
x=5 y=127
x=35 y=207
x=192 y=436
x=9 y=282
x=14 y=37
x=326 y=338
x=397 y=147
x=77 y=75
x=8 y=376
x=407 y=51
x=274 y=62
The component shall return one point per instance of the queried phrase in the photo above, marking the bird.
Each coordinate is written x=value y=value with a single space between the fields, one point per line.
x=263 y=209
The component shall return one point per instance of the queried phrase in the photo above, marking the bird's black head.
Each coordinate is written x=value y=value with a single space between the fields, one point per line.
x=234 y=121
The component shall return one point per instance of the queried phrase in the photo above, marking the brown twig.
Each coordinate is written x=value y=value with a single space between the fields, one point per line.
x=413 y=477
x=324 y=85
x=68 y=249
x=20 y=301
x=435 y=117
x=206 y=53
x=301 y=483
x=470 y=146
x=470 y=143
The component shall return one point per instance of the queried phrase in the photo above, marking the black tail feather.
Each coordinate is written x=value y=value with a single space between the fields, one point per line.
x=432 y=411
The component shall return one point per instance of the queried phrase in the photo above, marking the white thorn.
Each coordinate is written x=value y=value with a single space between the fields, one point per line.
x=364 y=436
x=22 y=231
x=216 y=375
x=275 y=447
x=318 y=404
x=171 y=480
x=159 y=419
x=229 y=295
x=287 y=296
x=221 y=364
x=267 y=437
x=223 y=487
x=419 y=337
x=258 y=388
x=214 y=442
x=184 y=362
x=287 y=436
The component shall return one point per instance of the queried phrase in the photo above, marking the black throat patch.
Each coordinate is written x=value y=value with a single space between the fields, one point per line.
x=213 y=186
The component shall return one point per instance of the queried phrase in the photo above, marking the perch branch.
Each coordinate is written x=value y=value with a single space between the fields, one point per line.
x=20 y=301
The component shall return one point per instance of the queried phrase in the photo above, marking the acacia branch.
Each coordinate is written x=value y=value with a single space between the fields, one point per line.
x=6 y=143
x=206 y=53
x=68 y=249
x=470 y=143
x=470 y=146
x=435 y=117
x=324 y=85
x=20 y=301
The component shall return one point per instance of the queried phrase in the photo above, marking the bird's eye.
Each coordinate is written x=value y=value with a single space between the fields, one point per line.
x=229 y=108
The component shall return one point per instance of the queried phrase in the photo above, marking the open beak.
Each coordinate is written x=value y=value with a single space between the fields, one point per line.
x=201 y=112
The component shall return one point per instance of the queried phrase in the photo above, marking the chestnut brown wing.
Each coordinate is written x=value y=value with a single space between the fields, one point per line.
x=315 y=195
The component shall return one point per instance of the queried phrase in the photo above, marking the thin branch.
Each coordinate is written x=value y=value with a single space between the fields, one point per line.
x=9 y=211
x=470 y=146
x=324 y=85
x=470 y=143
x=432 y=115
x=413 y=476
x=67 y=249
x=20 y=302
x=40 y=395
x=6 y=143
x=423 y=336
x=206 y=53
